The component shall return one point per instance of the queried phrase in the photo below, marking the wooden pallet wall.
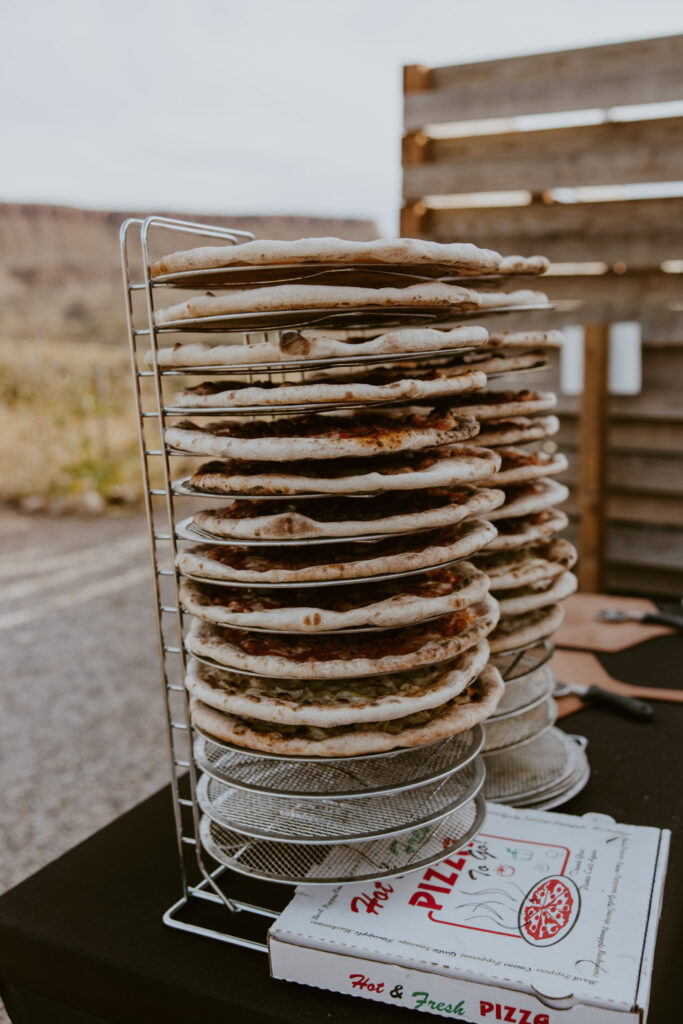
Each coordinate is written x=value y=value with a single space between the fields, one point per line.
x=472 y=170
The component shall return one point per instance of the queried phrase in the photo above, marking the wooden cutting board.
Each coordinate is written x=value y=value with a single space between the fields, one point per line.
x=582 y=628
x=584 y=668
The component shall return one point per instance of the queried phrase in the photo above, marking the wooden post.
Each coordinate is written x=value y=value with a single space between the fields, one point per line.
x=593 y=458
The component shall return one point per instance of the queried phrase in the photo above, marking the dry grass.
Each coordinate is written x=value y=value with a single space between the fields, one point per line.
x=67 y=417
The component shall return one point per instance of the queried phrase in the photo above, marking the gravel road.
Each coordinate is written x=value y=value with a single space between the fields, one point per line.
x=81 y=734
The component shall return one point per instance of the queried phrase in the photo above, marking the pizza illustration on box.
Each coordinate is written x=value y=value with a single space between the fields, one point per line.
x=493 y=886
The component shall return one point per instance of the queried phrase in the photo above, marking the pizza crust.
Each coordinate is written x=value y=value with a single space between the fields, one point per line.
x=508 y=570
x=516 y=405
x=525 y=339
x=547 y=465
x=451 y=467
x=520 y=630
x=293 y=346
x=320 y=392
x=539 y=595
x=222 y=646
x=330 y=704
x=214 y=439
x=412 y=554
x=462 y=586
x=518 y=430
x=529 y=532
x=285 y=297
x=538 y=496
x=523 y=265
x=455 y=718
x=302 y=519
x=267 y=252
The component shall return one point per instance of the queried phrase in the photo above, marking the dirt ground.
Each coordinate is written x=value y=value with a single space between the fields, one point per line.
x=81 y=733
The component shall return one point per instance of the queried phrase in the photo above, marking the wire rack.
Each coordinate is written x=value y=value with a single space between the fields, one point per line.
x=386 y=814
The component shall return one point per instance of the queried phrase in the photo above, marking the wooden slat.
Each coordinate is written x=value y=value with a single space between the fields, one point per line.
x=644 y=71
x=654 y=319
x=641 y=233
x=651 y=473
x=653 y=547
x=613 y=153
x=634 y=436
x=659 y=582
x=616 y=296
x=648 y=509
x=593 y=458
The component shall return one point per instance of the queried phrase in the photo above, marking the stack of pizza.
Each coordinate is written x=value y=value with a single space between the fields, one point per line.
x=347 y=486
x=528 y=565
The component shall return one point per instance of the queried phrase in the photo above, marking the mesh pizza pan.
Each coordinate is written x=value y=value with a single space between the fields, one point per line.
x=338 y=778
x=515 y=777
x=186 y=529
x=526 y=689
x=378 y=274
x=312 y=820
x=291 y=365
x=367 y=316
x=321 y=864
x=514 y=728
x=573 y=786
x=329 y=583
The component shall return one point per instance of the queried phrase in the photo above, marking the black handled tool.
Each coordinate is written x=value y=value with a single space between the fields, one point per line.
x=653 y=618
x=612 y=701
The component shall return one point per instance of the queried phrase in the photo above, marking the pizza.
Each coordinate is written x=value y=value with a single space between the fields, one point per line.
x=335 y=656
x=267 y=252
x=501 y=405
x=530 y=497
x=410 y=471
x=382 y=698
x=469 y=707
x=518 y=430
x=522 y=530
x=319 y=436
x=515 y=631
x=518 y=465
x=387 y=603
x=380 y=386
x=294 y=346
x=508 y=570
x=330 y=562
x=340 y=517
x=286 y=297
x=524 y=339
x=537 y=595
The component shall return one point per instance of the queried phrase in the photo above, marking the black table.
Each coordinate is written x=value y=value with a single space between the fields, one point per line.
x=82 y=941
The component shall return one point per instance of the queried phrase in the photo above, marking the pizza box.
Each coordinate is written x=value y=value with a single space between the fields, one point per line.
x=543 y=918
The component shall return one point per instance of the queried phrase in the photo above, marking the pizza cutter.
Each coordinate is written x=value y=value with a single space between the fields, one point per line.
x=608 y=699
x=652 y=618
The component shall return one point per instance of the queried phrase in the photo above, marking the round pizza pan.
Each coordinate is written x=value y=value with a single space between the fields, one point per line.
x=514 y=728
x=312 y=821
x=360 y=317
x=278 y=410
x=182 y=487
x=532 y=770
x=257 y=276
x=576 y=782
x=338 y=778
x=529 y=697
x=515 y=666
x=187 y=530
x=322 y=864
x=289 y=365
x=395 y=755
x=328 y=583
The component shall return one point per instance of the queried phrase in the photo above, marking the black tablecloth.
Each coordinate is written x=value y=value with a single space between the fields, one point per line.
x=83 y=941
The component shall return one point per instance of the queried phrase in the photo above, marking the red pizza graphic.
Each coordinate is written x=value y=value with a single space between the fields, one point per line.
x=549 y=911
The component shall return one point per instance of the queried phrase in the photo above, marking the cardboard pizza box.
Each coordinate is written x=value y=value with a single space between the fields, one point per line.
x=544 y=918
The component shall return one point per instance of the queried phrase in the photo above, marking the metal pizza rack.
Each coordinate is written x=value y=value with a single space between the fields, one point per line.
x=239 y=812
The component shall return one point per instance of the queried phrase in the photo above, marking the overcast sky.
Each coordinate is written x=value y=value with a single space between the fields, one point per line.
x=250 y=106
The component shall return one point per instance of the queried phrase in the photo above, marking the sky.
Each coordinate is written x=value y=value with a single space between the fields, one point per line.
x=250 y=106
